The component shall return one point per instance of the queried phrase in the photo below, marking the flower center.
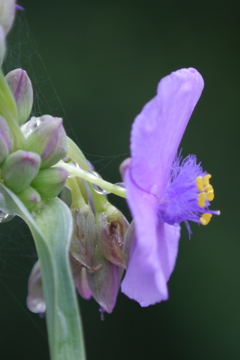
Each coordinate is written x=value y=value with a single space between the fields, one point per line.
x=188 y=194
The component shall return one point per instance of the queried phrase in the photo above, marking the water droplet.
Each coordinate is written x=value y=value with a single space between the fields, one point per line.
x=120 y=184
x=4 y=217
x=30 y=126
x=97 y=188
x=74 y=164
x=35 y=123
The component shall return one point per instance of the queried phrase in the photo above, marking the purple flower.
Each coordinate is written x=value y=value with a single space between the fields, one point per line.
x=162 y=189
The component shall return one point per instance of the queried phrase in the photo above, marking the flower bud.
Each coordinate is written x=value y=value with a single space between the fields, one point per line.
x=7 y=14
x=6 y=139
x=104 y=283
x=111 y=227
x=31 y=198
x=35 y=299
x=22 y=90
x=19 y=169
x=80 y=279
x=48 y=139
x=2 y=45
x=49 y=182
x=83 y=236
x=83 y=239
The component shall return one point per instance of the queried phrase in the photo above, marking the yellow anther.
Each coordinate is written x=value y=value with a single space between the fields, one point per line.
x=208 y=188
x=206 y=179
x=199 y=182
x=210 y=195
x=202 y=197
x=205 y=218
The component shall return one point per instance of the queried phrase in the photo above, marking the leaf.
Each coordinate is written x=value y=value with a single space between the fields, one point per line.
x=51 y=229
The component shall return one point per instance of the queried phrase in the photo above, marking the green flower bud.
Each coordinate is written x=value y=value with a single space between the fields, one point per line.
x=7 y=14
x=35 y=298
x=47 y=138
x=111 y=227
x=22 y=90
x=49 y=182
x=19 y=169
x=6 y=139
x=31 y=198
x=104 y=283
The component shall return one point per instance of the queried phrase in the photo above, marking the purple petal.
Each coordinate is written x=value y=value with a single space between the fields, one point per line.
x=154 y=250
x=158 y=129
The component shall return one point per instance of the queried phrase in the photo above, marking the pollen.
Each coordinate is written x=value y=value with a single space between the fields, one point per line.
x=199 y=182
x=205 y=218
x=206 y=179
x=202 y=197
x=207 y=192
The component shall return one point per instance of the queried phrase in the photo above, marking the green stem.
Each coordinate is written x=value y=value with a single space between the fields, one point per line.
x=88 y=176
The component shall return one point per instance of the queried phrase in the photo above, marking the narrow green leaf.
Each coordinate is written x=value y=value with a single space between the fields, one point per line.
x=51 y=229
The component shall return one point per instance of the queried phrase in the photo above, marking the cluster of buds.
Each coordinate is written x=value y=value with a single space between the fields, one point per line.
x=98 y=250
x=26 y=164
x=28 y=151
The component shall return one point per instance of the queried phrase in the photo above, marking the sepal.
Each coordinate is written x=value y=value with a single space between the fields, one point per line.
x=104 y=283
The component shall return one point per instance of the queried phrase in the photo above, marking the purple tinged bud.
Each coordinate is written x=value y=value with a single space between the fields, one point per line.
x=80 y=279
x=50 y=182
x=35 y=298
x=31 y=198
x=111 y=228
x=104 y=283
x=6 y=139
x=19 y=169
x=7 y=14
x=22 y=90
x=83 y=236
x=83 y=239
x=47 y=138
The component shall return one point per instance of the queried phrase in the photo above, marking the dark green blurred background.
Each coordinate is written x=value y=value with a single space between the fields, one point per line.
x=105 y=58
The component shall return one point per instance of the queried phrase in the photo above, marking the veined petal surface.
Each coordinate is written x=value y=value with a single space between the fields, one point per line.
x=157 y=131
x=154 y=250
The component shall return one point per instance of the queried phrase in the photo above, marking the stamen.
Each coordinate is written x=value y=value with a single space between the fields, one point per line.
x=205 y=218
x=210 y=195
x=206 y=179
x=199 y=182
x=202 y=197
